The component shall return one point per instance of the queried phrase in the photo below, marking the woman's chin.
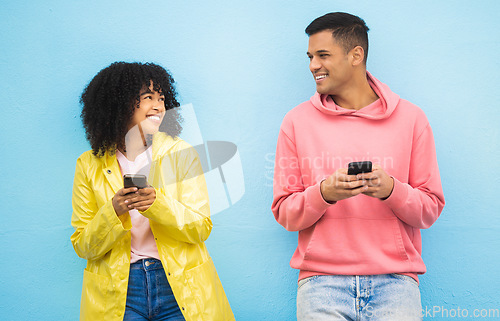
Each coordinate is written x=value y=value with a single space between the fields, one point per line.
x=150 y=128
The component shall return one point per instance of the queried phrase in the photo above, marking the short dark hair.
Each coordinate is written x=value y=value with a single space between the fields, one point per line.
x=109 y=101
x=348 y=30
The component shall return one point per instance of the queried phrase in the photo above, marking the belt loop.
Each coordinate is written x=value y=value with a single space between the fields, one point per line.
x=358 y=290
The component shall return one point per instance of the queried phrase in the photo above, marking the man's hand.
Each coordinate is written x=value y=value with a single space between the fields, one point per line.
x=379 y=183
x=122 y=199
x=339 y=186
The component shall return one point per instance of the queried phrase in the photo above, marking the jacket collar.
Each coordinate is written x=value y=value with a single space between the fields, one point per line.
x=162 y=144
x=111 y=170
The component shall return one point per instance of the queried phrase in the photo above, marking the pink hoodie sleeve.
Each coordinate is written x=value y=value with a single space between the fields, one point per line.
x=419 y=202
x=294 y=207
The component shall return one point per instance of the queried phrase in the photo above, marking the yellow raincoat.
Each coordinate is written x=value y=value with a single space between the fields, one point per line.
x=180 y=222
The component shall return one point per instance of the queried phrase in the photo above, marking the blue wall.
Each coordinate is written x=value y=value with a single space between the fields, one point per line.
x=243 y=66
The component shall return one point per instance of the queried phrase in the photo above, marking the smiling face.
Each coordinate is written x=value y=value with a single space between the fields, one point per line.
x=149 y=111
x=331 y=67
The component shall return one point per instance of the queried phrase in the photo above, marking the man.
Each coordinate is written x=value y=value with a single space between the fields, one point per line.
x=359 y=246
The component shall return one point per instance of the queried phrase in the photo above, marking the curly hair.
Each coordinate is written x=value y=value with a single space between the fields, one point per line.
x=109 y=101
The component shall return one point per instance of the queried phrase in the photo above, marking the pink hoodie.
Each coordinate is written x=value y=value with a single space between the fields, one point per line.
x=360 y=235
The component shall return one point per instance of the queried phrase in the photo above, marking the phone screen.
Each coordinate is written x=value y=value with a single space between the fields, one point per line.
x=135 y=180
x=356 y=168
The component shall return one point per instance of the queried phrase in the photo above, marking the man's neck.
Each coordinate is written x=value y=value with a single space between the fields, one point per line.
x=358 y=95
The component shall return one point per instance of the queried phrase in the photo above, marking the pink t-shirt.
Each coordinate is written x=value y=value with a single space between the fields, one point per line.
x=143 y=242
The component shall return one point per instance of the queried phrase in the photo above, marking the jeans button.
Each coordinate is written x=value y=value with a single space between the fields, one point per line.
x=147 y=263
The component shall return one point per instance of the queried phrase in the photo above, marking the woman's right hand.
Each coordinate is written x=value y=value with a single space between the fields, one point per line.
x=121 y=200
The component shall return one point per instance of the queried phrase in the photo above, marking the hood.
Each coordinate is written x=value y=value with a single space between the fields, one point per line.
x=388 y=102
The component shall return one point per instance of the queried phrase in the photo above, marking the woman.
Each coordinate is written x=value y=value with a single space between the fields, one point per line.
x=145 y=251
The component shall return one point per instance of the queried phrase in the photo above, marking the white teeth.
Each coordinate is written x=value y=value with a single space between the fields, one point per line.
x=320 y=77
x=154 y=117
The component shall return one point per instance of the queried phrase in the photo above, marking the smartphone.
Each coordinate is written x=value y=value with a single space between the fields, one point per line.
x=356 y=168
x=135 y=180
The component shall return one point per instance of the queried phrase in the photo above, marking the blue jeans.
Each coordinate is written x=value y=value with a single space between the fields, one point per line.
x=387 y=297
x=149 y=296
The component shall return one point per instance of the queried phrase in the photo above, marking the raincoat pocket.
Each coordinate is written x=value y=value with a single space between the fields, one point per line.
x=208 y=293
x=95 y=295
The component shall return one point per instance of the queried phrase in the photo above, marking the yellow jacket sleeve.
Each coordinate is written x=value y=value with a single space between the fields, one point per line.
x=97 y=227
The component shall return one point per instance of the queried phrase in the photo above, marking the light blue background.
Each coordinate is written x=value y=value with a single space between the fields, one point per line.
x=243 y=66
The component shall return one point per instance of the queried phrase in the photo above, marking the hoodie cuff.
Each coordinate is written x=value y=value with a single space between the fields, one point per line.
x=398 y=197
x=316 y=200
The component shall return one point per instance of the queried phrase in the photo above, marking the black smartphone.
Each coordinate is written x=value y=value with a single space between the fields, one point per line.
x=135 y=180
x=356 y=168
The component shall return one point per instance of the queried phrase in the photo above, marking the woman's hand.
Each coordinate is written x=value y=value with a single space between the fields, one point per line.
x=142 y=199
x=122 y=200
x=127 y=199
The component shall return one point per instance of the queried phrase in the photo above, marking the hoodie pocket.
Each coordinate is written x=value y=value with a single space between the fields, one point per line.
x=345 y=243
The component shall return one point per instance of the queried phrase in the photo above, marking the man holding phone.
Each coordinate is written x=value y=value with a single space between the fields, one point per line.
x=359 y=246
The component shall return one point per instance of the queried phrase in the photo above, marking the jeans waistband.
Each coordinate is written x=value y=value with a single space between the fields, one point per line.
x=146 y=265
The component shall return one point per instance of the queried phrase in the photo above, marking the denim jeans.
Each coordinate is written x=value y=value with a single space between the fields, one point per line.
x=149 y=296
x=387 y=297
